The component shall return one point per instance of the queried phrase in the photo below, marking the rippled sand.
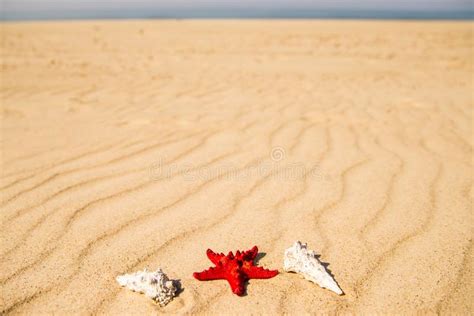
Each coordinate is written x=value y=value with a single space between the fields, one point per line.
x=139 y=144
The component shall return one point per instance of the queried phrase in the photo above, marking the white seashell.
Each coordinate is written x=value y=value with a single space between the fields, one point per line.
x=155 y=285
x=301 y=260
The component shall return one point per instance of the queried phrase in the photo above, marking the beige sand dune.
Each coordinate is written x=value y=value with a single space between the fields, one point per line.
x=139 y=144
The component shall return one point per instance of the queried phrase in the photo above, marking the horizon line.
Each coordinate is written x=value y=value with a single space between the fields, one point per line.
x=239 y=14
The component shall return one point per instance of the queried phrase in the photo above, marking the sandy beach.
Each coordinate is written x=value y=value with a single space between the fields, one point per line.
x=139 y=144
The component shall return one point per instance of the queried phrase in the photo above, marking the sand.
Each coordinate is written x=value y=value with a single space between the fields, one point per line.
x=133 y=144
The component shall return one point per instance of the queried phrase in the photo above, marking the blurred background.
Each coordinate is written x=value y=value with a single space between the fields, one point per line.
x=101 y=9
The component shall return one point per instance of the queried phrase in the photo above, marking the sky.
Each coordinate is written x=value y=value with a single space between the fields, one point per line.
x=12 y=9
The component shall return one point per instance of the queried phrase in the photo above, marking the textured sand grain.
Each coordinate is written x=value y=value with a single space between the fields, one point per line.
x=142 y=143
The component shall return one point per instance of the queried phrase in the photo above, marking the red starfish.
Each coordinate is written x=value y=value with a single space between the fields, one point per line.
x=235 y=269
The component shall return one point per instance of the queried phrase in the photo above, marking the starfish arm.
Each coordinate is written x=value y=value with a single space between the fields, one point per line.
x=237 y=283
x=260 y=273
x=250 y=254
x=214 y=257
x=210 y=274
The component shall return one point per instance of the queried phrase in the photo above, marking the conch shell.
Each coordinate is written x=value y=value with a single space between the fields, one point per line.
x=156 y=285
x=303 y=261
